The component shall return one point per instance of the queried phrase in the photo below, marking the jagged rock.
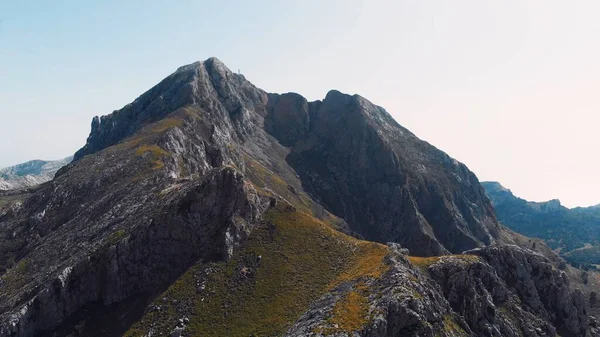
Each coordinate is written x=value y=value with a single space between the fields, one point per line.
x=204 y=218
x=177 y=331
x=511 y=291
x=462 y=295
x=540 y=286
x=403 y=302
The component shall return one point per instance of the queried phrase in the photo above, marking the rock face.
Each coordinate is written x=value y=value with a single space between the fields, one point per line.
x=134 y=246
x=30 y=174
x=510 y=291
x=492 y=291
x=384 y=181
x=403 y=302
x=236 y=201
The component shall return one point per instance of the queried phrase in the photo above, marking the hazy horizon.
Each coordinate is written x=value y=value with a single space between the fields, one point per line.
x=505 y=87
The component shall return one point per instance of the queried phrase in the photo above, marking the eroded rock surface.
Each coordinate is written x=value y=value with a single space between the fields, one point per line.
x=492 y=291
x=403 y=302
x=511 y=291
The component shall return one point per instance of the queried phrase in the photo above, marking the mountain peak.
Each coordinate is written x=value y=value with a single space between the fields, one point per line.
x=211 y=61
x=494 y=185
x=500 y=194
x=202 y=84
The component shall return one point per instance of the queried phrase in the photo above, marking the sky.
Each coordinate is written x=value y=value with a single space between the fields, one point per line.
x=510 y=88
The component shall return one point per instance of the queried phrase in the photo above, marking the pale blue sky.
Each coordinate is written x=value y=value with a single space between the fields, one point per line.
x=508 y=87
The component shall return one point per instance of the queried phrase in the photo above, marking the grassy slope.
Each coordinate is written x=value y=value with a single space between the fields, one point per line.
x=301 y=258
x=291 y=259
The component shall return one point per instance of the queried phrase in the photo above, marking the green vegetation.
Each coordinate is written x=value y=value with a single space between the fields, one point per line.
x=423 y=262
x=288 y=262
x=147 y=135
x=17 y=276
x=166 y=124
x=368 y=263
x=350 y=313
x=451 y=326
x=156 y=154
x=115 y=237
x=262 y=177
x=586 y=258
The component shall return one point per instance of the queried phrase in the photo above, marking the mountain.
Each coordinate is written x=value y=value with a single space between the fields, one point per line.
x=344 y=151
x=208 y=207
x=30 y=174
x=575 y=232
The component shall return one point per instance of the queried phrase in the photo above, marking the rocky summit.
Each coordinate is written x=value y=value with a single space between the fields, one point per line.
x=208 y=207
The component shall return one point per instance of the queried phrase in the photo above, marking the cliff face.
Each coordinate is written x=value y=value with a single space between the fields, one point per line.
x=384 y=181
x=506 y=290
x=209 y=207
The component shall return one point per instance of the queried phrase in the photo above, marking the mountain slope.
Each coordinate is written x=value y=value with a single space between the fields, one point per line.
x=384 y=181
x=348 y=154
x=30 y=174
x=208 y=206
x=575 y=232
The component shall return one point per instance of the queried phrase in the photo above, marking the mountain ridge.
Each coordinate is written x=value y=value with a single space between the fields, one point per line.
x=30 y=173
x=569 y=230
x=495 y=185
x=210 y=207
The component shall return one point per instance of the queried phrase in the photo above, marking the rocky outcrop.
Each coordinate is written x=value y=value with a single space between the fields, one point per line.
x=203 y=218
x=495 y=291
x=123 y=222
x=542 y=288
x=511 y=291
x=403 y=302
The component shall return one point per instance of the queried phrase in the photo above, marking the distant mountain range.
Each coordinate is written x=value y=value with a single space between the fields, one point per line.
x=30 y=173
x=574 y=233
